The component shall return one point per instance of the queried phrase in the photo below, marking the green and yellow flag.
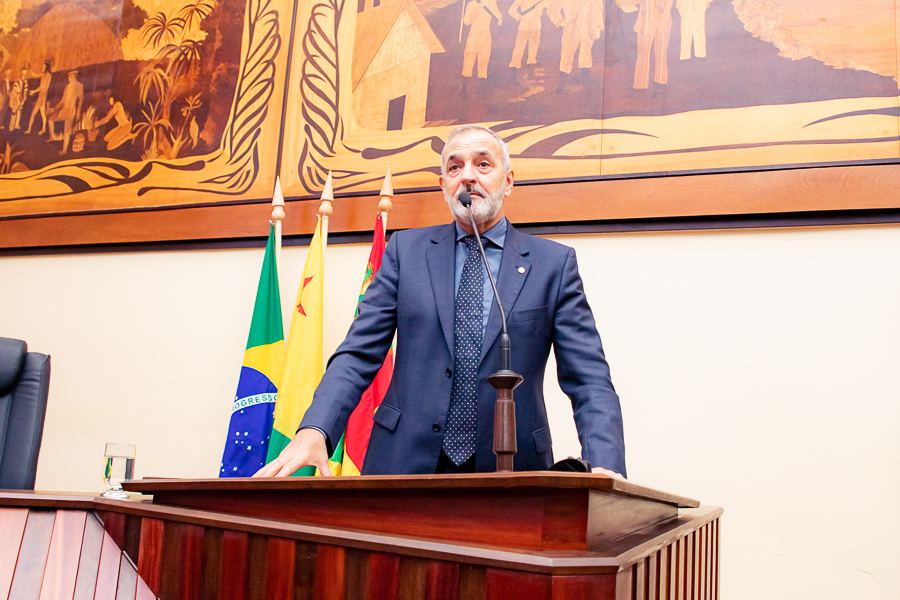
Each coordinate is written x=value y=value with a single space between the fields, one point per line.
x=303 y=364
x=251 y=412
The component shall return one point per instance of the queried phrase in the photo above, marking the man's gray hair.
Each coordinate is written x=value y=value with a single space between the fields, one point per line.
x=471 y=127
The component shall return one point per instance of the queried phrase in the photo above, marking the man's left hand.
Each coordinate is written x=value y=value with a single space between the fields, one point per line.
x=608 y=473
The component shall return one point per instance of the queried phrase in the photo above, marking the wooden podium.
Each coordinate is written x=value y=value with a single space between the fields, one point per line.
x=518 y=536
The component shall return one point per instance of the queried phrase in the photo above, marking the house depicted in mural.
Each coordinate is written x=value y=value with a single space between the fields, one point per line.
x=392 y=52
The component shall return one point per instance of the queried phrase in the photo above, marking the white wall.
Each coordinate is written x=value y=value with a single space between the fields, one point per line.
x=757 y=370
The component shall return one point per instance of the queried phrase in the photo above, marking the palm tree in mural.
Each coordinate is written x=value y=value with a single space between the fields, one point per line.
x=8 y=162
x=199 y=10
x=169 y=76
x=152 y=130
x=160 y=29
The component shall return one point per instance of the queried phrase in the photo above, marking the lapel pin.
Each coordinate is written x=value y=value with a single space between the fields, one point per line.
x=521 y=269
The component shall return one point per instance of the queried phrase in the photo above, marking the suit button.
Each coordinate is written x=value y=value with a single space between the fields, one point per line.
x=436 y=427
x=449 y=373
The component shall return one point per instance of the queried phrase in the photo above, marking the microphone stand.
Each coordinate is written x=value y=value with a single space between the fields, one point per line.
x=504 y=380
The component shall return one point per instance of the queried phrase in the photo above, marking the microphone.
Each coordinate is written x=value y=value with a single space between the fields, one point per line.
x=465 y=198
x=504 y=380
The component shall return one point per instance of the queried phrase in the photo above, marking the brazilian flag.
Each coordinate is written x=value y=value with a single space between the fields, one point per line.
x=254 y=403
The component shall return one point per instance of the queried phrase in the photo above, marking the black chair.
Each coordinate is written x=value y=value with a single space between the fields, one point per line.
x=24 y=384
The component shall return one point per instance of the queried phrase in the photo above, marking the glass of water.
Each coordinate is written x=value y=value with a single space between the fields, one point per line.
x=119 y=468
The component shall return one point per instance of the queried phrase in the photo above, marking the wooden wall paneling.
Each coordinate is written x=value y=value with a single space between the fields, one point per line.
x=356 y=574
x=212 y=561
x=191 y=561
x=663 y=572
x=330 y=573
x=89 y=561
x=384 y=576
x=706 y=564
x=689 y=567
x=653 y=576
x=29 y=574
x=305 y=558
x=108 y=570
x=170 y=560
x=712 y=561
x=472 y=582
x=716 y=526
x=257 y=555
x=61 y=570
x=504 y=584
x=12 y=526
x=233 y=567
x=672 y=567
x=114 y=523
x=280 y=562
x=126 y=588
x=131 y=538
x=149 y=553
x=640 y=580
x=594 y=587
x=412 y=578
x=441 y=580
x=625 y=584
x=698 y=565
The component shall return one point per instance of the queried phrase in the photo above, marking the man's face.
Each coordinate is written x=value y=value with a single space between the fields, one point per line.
x=475 y=163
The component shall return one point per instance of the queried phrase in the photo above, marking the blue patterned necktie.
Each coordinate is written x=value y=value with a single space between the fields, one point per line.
x=459 y=439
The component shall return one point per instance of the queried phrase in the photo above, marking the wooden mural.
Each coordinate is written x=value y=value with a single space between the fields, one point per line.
x=106 y=104
x=588 y=89
x=127 y=104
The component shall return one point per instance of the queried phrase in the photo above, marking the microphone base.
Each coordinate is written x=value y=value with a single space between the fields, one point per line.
x=505 y=381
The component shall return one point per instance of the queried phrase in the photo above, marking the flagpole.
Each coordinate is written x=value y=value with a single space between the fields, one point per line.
x=387 y=194
x=325 y=209
x=277 y=218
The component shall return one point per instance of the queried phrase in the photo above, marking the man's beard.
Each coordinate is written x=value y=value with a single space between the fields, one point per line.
x=484 y=208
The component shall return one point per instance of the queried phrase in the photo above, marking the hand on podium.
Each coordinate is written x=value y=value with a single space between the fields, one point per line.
x=603 y=471
x=306 y=449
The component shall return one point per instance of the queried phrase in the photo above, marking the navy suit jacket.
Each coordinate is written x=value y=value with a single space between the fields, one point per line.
x=413 y=294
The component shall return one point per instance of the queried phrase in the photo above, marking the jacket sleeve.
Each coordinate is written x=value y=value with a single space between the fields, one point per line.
x=584 y=374
x=357 y=360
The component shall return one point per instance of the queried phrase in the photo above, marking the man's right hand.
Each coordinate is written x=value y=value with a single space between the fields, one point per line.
x=306 y=449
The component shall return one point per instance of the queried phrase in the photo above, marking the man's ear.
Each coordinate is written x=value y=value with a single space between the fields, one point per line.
x=510 y=179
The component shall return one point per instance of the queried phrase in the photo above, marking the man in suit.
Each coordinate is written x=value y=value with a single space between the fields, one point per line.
x=437 y=416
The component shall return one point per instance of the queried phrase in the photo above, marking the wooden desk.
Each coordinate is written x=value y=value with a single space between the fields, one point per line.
x=514 y=536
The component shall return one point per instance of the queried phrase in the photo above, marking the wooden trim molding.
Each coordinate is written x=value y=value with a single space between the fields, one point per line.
x=794 y=192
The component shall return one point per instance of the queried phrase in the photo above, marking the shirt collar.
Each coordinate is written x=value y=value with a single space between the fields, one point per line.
x=496 y=234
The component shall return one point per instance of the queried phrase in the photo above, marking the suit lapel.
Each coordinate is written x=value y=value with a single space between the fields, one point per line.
x=509 y=283
x=441 y=259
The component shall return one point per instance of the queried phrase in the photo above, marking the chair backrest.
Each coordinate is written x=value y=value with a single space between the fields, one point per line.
x=24 y=385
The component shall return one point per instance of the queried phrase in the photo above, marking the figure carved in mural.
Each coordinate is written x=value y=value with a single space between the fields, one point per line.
x=582 y=23
x=478 y=16
x=68 y=110
x=653 y=28
x=528 y=14
x=17 y=100
x=693 y=26
x=123 y=131
x=5 y=91
x=40 y=107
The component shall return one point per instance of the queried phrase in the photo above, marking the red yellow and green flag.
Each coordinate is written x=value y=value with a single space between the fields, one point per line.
x=359 y=427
